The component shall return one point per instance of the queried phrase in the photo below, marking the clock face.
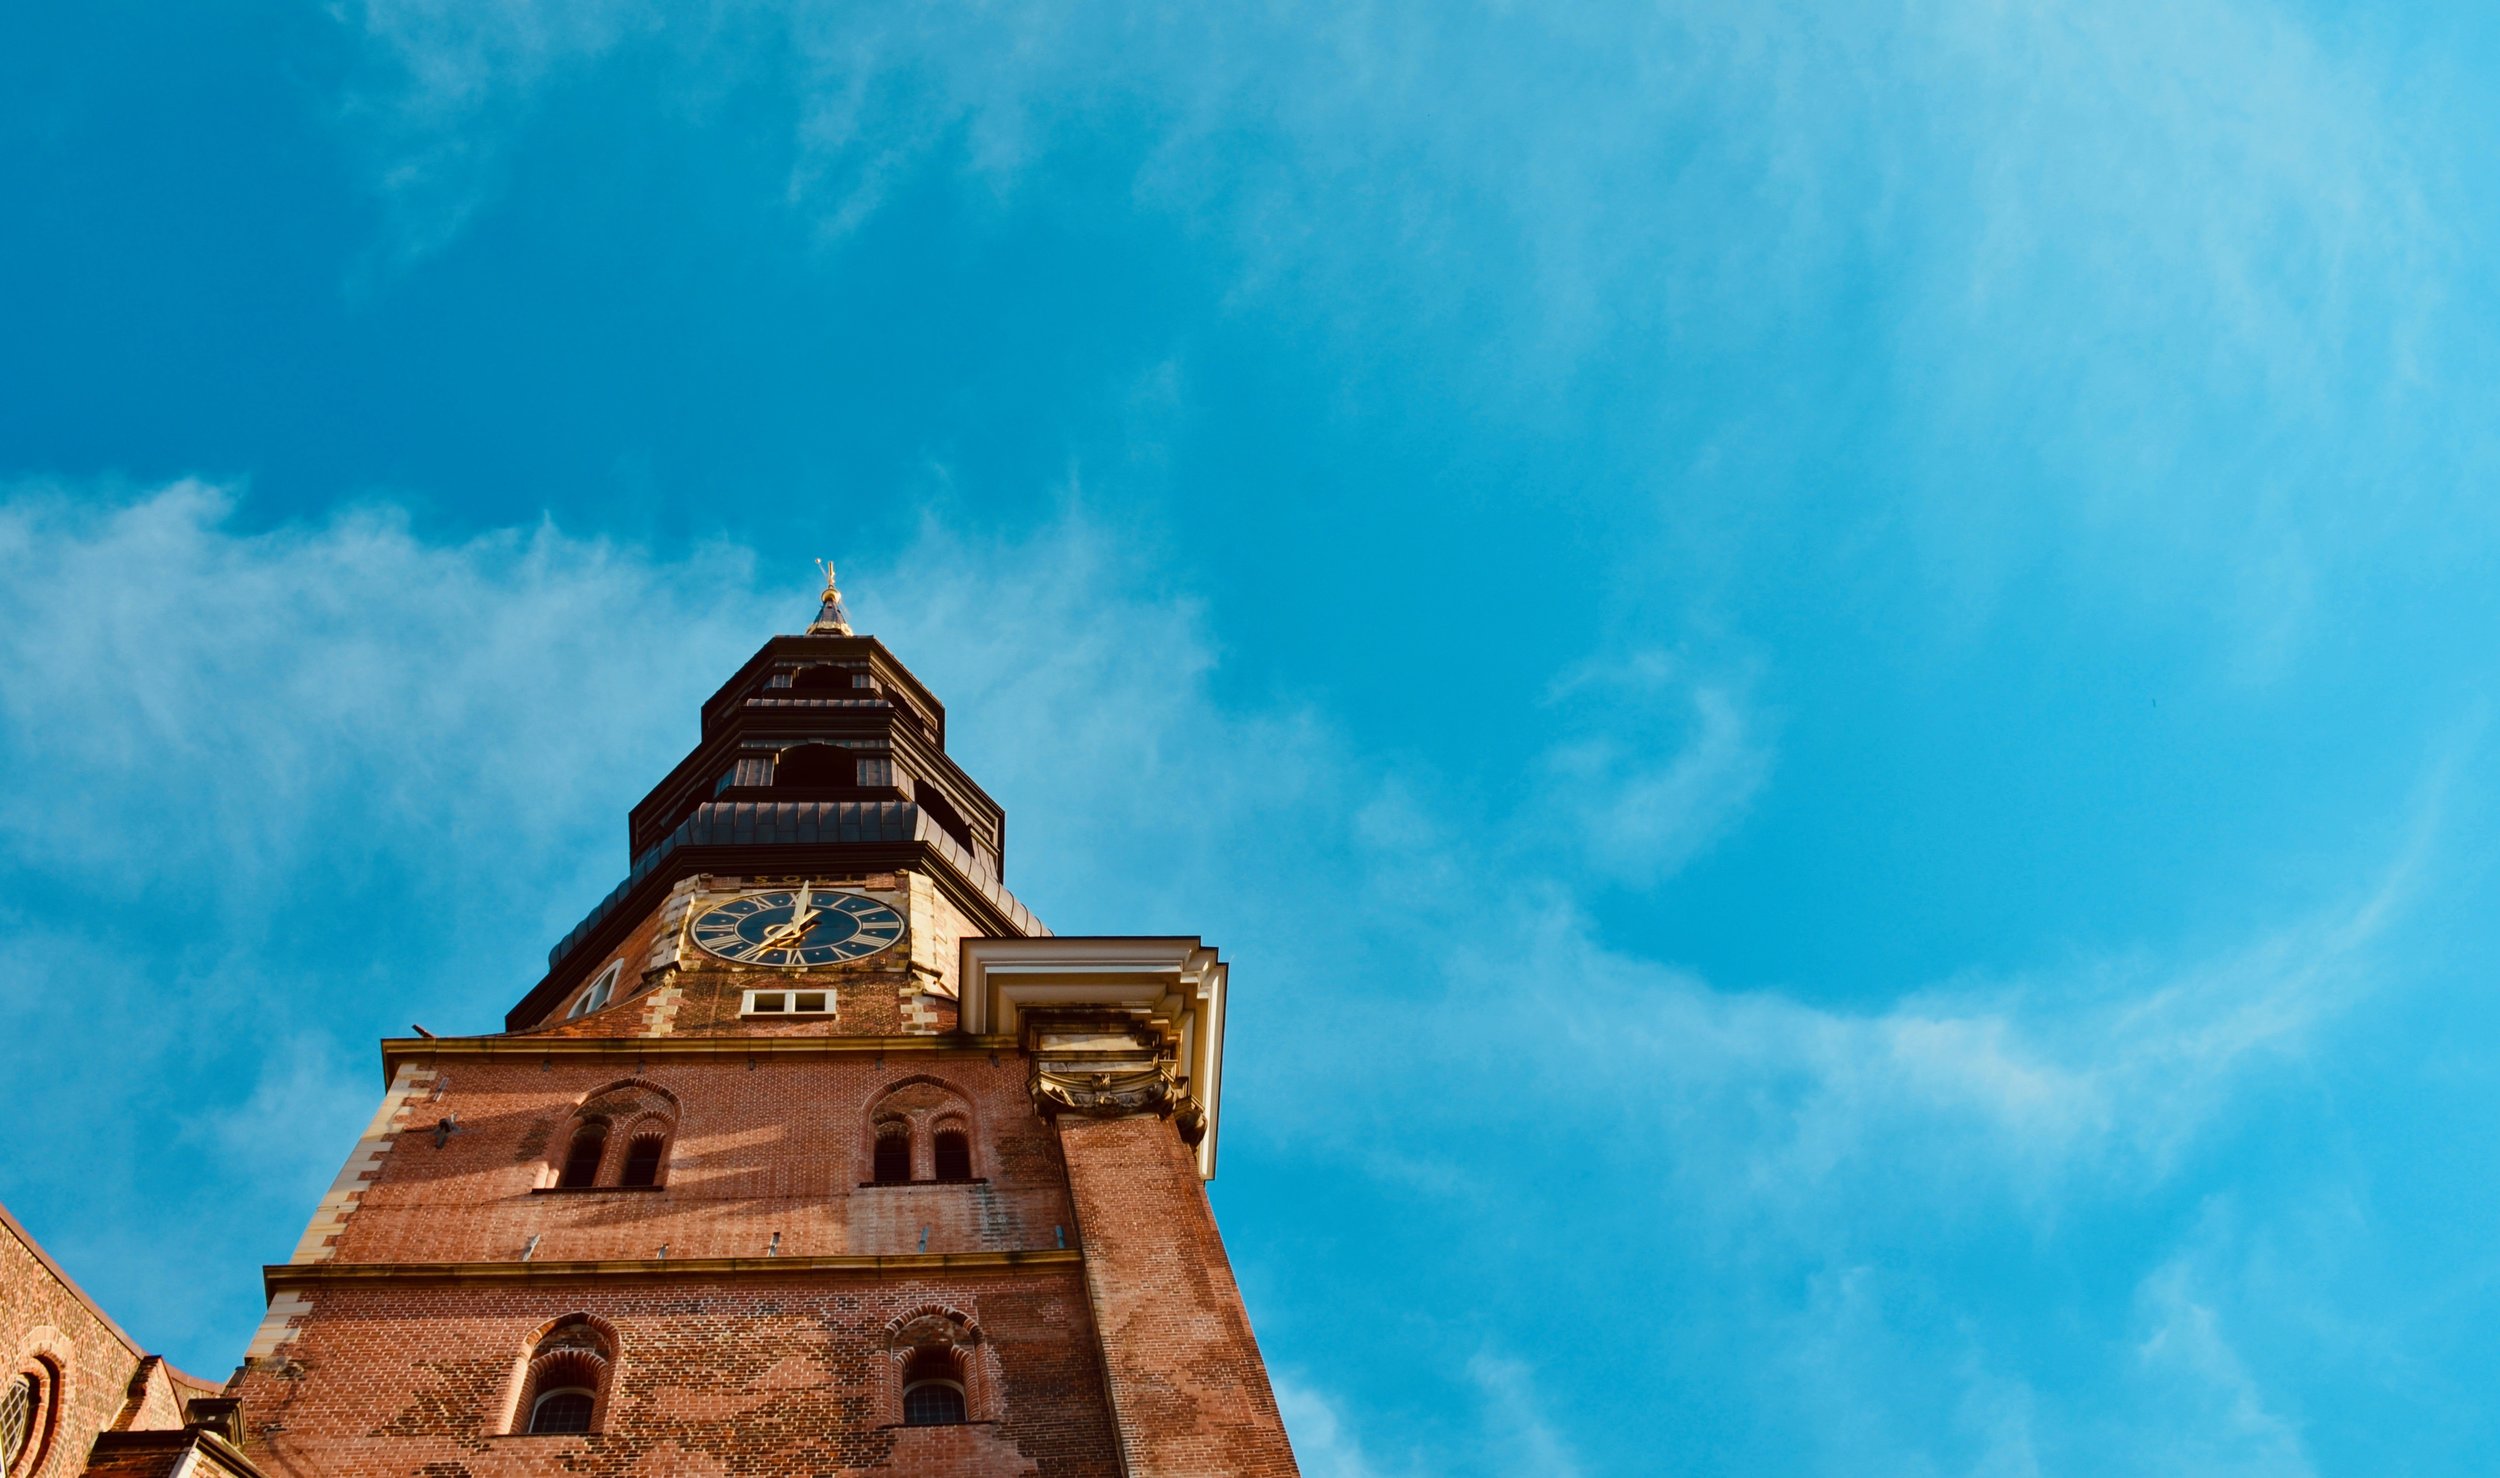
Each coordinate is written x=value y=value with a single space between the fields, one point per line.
x=797 y=927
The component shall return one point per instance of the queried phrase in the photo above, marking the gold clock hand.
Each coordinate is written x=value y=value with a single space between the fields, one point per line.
x=779 y=938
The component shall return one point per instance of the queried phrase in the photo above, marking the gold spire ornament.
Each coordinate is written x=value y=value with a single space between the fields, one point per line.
x=831 y=619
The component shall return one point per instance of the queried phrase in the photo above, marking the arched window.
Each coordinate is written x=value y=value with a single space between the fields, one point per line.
x=21 y=1418
x=642 y=1160
x=940 y=1377
x=634 y=1113
x=933 y=1391
x=816 y=767
x=893 y=1152
x=921 y=1128
x=954 y=1154
x=565 y=1378
x=581 y=1160
x=600 y=989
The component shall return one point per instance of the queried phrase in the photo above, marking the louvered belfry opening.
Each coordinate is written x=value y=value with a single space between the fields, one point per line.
x=815 y=767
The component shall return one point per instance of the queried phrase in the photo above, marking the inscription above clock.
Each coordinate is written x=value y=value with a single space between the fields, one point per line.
x=793 y=928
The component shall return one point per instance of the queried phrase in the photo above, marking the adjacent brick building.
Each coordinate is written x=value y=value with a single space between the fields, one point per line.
x=813 y=1153
x=73 y=1376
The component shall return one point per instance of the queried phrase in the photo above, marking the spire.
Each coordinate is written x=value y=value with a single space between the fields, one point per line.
x=832 y=620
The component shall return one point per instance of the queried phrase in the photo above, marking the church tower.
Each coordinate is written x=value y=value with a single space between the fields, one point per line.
x=814 y=1152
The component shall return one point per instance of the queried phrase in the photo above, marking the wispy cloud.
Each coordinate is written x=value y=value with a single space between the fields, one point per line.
x=1518 y=1431
x=2166 y=294
x=2231 y=1428
x=1322 y=1444
x=1658 y=764
x=385 y=730
x=263 y=685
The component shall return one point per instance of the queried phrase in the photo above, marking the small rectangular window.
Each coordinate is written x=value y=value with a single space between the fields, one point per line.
x=789 y=1003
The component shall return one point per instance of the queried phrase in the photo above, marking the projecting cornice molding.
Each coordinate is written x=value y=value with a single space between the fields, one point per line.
x=279 y=1278
x=1116 y=1024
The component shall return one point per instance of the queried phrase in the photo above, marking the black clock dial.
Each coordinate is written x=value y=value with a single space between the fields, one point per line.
x=798 y=927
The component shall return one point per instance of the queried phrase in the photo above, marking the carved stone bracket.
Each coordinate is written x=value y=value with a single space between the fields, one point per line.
x=1104 y=1065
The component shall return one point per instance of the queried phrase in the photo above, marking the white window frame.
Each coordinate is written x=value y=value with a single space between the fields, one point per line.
x=597 y=997
x=784 y=1000
x=26 y=1387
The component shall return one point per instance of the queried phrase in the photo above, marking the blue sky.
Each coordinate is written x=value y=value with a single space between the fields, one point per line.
x=1827 y=667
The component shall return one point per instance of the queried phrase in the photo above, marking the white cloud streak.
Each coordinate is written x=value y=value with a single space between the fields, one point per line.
x=2167 y=292
x=2185 y=1349
x=436 y=740
x=1659 y=764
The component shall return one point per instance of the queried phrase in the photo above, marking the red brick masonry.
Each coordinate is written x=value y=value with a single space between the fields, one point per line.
x=1190 y=1390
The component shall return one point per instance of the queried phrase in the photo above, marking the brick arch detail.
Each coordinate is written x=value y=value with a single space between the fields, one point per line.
x=605 y=1330
x=634 y=1086
x=972 y=1329
x=955 y=1109
x=630 y=1108
x=44 y=1351
x=966 y=1348
x=534 y=1357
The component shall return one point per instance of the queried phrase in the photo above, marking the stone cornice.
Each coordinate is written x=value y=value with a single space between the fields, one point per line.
x=277 y=1278
x=396 y=1050
x=1172 y=986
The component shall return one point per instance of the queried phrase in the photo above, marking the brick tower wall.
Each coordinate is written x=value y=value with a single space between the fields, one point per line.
x=763 y=1144
x=752 y=1294
x=753 y=1373
x=1188 y=1389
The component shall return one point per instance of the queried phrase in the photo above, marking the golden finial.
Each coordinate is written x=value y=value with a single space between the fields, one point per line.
x=831 y=619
